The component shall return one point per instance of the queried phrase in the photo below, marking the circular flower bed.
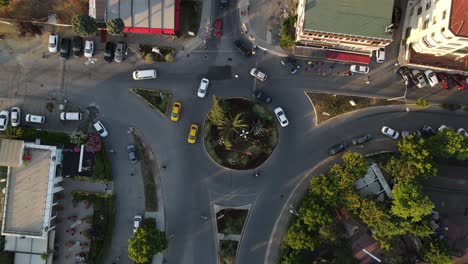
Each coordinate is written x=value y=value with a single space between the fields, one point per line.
x=239 y=133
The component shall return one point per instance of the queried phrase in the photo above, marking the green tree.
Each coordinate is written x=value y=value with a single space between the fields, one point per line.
x=287 y=35
x=422 y=103
x=146 y=242
x=436 y=252
x=410 y=202
x=217 y=115
x=78 y=138
x=355 y=165
x=4 y=3
x=232 y=124
x=14 y=132
x=84 y=25
x=299 y=238
x=115 y=26
x=293 y=257
x=325 y=188
x=314 y=213
x=449 y=144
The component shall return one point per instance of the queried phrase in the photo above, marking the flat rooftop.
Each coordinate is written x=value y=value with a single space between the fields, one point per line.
x=365 y=18
x=27 y=193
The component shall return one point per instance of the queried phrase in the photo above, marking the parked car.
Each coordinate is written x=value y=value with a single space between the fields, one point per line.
x=192 y=136
x=245 y=49
x=176 y=109
x=137 y=222
x=204 y=83
x=4 y=120
x=261 y=96
x=337 y=149
x=258 y=74
x=290 y=64
x=53 y=43
x=15 y=116
x=362 y=139
x=64 y=48
x=380 y=55
x=77 y=46
x=419 y=78
x=406 y=76
x=443 y=79
x=218 y=28
x=431 y=77
x=390 y=132
x=120 y=50
x=35 y=119
x=144 y=75
x=459 y=82
x=428 y=131
x=132 y=153
x=406 y=133
x=89 y=49
x=109 y=51
x=359 y=69
x=283 y=120
x=74 y=116
x=442 y=128
x=100 y=129
x=462 y=131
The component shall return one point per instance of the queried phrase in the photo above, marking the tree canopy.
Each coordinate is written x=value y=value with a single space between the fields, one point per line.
x=146 y=241
x=84 y=25
x=449 y=144
x=115 y=26
x=436 y=252
x=409 y=202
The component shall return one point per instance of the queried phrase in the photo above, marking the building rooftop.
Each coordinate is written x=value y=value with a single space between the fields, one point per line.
x=29 y=192
x=365 y=18
x=11 y=152
x=459 y=18
x=446 y=62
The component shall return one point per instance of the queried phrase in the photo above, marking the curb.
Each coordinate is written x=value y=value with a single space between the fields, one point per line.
x=132 y=90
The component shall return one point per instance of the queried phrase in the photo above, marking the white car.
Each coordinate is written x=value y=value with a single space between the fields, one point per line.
x=442 y=128
x=431 y=77
x=380 y=55
x=258 y=74
x=281 y=116
x=359 y=69
x=136 y=222
x=462 y=131
x=15 y=116
x=419 y=78
x=203 y=87
x=53 y=43
x=390 y=132
x=4 y=120
x=35 y=119
x=100 y=129
x=89 y=49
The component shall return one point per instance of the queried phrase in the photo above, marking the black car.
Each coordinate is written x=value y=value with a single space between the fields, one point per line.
x=259 y=95
x=428 y=131
x=64 y=48
x=132 y=153
x=362 y=139
x=77 y=46
x=337 y=149
x=244 y=48
x=406 y=76
x=109 y=52
x=290 y=64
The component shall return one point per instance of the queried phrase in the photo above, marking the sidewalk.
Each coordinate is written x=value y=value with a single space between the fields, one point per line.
x=282 y=222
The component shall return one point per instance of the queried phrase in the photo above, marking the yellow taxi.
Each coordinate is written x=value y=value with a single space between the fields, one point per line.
x=192 y=136
x=176 y=108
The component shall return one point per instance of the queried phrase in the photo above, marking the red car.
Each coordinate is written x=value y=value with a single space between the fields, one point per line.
x=443 y=80
x=459 y=82
x=218 y=28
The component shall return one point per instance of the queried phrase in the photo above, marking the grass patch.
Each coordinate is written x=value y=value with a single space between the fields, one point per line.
x=67 y=9
x=102 y=223
x=156 y=99
x=31 y=134
x=328 y=106
x=231 y=221
x=190 y=15
x=227 y=251
x=147 y=171
x=102 y=166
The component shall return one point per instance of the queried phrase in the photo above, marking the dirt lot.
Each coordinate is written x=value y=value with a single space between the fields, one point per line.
x=26 y=10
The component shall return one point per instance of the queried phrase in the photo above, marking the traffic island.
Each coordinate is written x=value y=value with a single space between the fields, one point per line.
x=239 y=133
x=156 y=99
x=328 y=106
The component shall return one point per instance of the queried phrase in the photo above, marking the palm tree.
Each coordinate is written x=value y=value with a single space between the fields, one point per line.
x=232 y=124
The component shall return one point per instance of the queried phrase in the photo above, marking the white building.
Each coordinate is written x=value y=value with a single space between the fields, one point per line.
x=438 y=27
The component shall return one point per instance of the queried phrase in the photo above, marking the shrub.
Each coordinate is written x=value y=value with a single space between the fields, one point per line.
x=465 y=108
x=422 y=103
x=169 y=57
x=78 y=138
x=14 y=132
x=451 y=107
x=94 y=143
x=4 y=3
x=50 y=107
x=149 y=57
x=115 y=26
x=84 y=25
x=27 y=27
x=102 y=167
x=287 y=36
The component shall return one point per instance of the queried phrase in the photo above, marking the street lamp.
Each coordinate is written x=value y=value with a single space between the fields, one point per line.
x=292 y=210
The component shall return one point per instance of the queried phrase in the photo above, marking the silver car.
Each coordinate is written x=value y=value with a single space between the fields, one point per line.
x=419 y=78
x=120 y=51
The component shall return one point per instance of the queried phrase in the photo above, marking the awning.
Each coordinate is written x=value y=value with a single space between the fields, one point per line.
x=347 y=57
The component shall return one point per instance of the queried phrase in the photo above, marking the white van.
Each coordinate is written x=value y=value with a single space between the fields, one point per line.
x=71 y=116
x=380 y=55
x=144 y=75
